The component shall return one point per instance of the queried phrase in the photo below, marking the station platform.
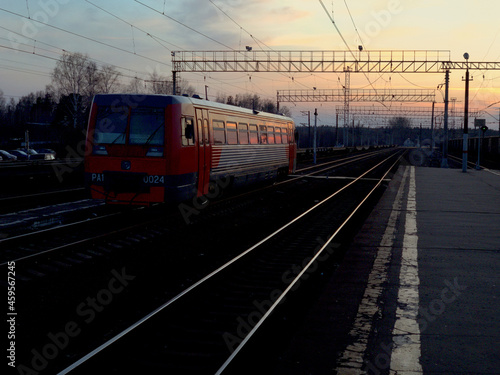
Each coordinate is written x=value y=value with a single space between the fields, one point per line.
x=419 y=289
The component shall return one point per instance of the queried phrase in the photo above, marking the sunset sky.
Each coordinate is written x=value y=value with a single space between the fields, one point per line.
x=159 y=27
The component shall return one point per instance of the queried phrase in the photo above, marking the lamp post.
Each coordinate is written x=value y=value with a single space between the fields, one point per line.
x=444 y=160
x=315 y=133
x=466 y=116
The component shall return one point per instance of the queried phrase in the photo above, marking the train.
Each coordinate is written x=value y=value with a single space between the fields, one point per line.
x=144 y=149
x=490 y=150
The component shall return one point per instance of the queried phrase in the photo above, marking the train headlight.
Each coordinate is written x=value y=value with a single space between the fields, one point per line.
x=100 y=150
x=155 y=151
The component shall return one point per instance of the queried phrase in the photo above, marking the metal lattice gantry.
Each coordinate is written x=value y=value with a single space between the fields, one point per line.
x=403 y=111
x=357 y=95
x=367 y=61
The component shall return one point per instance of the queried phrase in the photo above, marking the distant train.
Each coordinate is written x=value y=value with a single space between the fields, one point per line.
x=142 y=149
x=490 y=149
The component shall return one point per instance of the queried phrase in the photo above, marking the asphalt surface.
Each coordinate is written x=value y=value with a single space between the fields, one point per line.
x=418 y=291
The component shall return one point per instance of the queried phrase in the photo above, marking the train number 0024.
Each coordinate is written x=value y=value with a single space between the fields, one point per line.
x=154 y=179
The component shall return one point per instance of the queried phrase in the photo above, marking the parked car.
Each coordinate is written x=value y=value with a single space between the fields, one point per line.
x=21 y=155
x=46 y=151
x=34 y=155
x=7 y=156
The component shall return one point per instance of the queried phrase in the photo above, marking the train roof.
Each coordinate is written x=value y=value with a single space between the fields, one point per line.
x=164 y=100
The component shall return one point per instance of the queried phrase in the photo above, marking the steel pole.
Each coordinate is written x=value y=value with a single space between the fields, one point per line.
x=174 y=83
x=337 y=130
x=432 y=129
x=315 y=133
x=466 y=123
x=444 y=161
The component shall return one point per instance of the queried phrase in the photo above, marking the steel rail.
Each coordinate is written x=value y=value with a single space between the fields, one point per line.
x=76 y=243
x=472 y=165
x=15 y=197
x=348 y=159
x=63 y=227
x=304 y=270
x=218 y=270
x=86 y=221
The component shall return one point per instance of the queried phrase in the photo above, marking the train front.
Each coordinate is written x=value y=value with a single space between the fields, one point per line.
x=126 y=158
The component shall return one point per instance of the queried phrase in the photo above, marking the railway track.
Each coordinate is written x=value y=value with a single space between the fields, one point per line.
x=471 y=165
x=12 y=203
x=46 y=242
x=204 y=327
x=163 y=253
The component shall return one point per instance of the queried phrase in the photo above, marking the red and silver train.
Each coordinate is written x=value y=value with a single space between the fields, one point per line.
x=142 y=149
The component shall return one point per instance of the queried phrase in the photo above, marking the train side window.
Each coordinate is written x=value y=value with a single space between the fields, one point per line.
x=187 y=131
x=284 y=135
x=232 y=134
x=278 y=134
x=219 y=134
x=254 y=134
x=243 y=133
x=263 y=134
x=200 y=131
x=270 y=134
x=205 y=131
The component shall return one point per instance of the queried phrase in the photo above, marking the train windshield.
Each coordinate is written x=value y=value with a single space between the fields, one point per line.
x=147 y=126
x=111 y=125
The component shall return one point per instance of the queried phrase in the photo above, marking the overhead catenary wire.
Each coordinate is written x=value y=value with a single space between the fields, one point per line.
x=152 y=36
x=259 y=42
x=347 y=45
x=59 y=51
x=353 y=23
x=184 y=25
x=86 y=37
x=55 y=59
x=157 y=39
x=26 y=71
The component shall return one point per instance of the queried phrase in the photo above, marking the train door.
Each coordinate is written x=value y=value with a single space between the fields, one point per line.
x=203 y=151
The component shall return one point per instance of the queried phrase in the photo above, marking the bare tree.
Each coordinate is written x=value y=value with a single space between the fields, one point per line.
x=76 y=78
x=136 y=86
x=74 y=74
x=3 y=105
x=220 y=98
x=108 y=82
x=253 y=102
x=158 y=84
x=185 y=88
x=286 y=111
x=401 y=129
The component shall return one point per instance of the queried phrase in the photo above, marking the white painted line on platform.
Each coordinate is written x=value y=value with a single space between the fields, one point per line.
x=352 y=359
x=492 y=171
x=406 y=352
